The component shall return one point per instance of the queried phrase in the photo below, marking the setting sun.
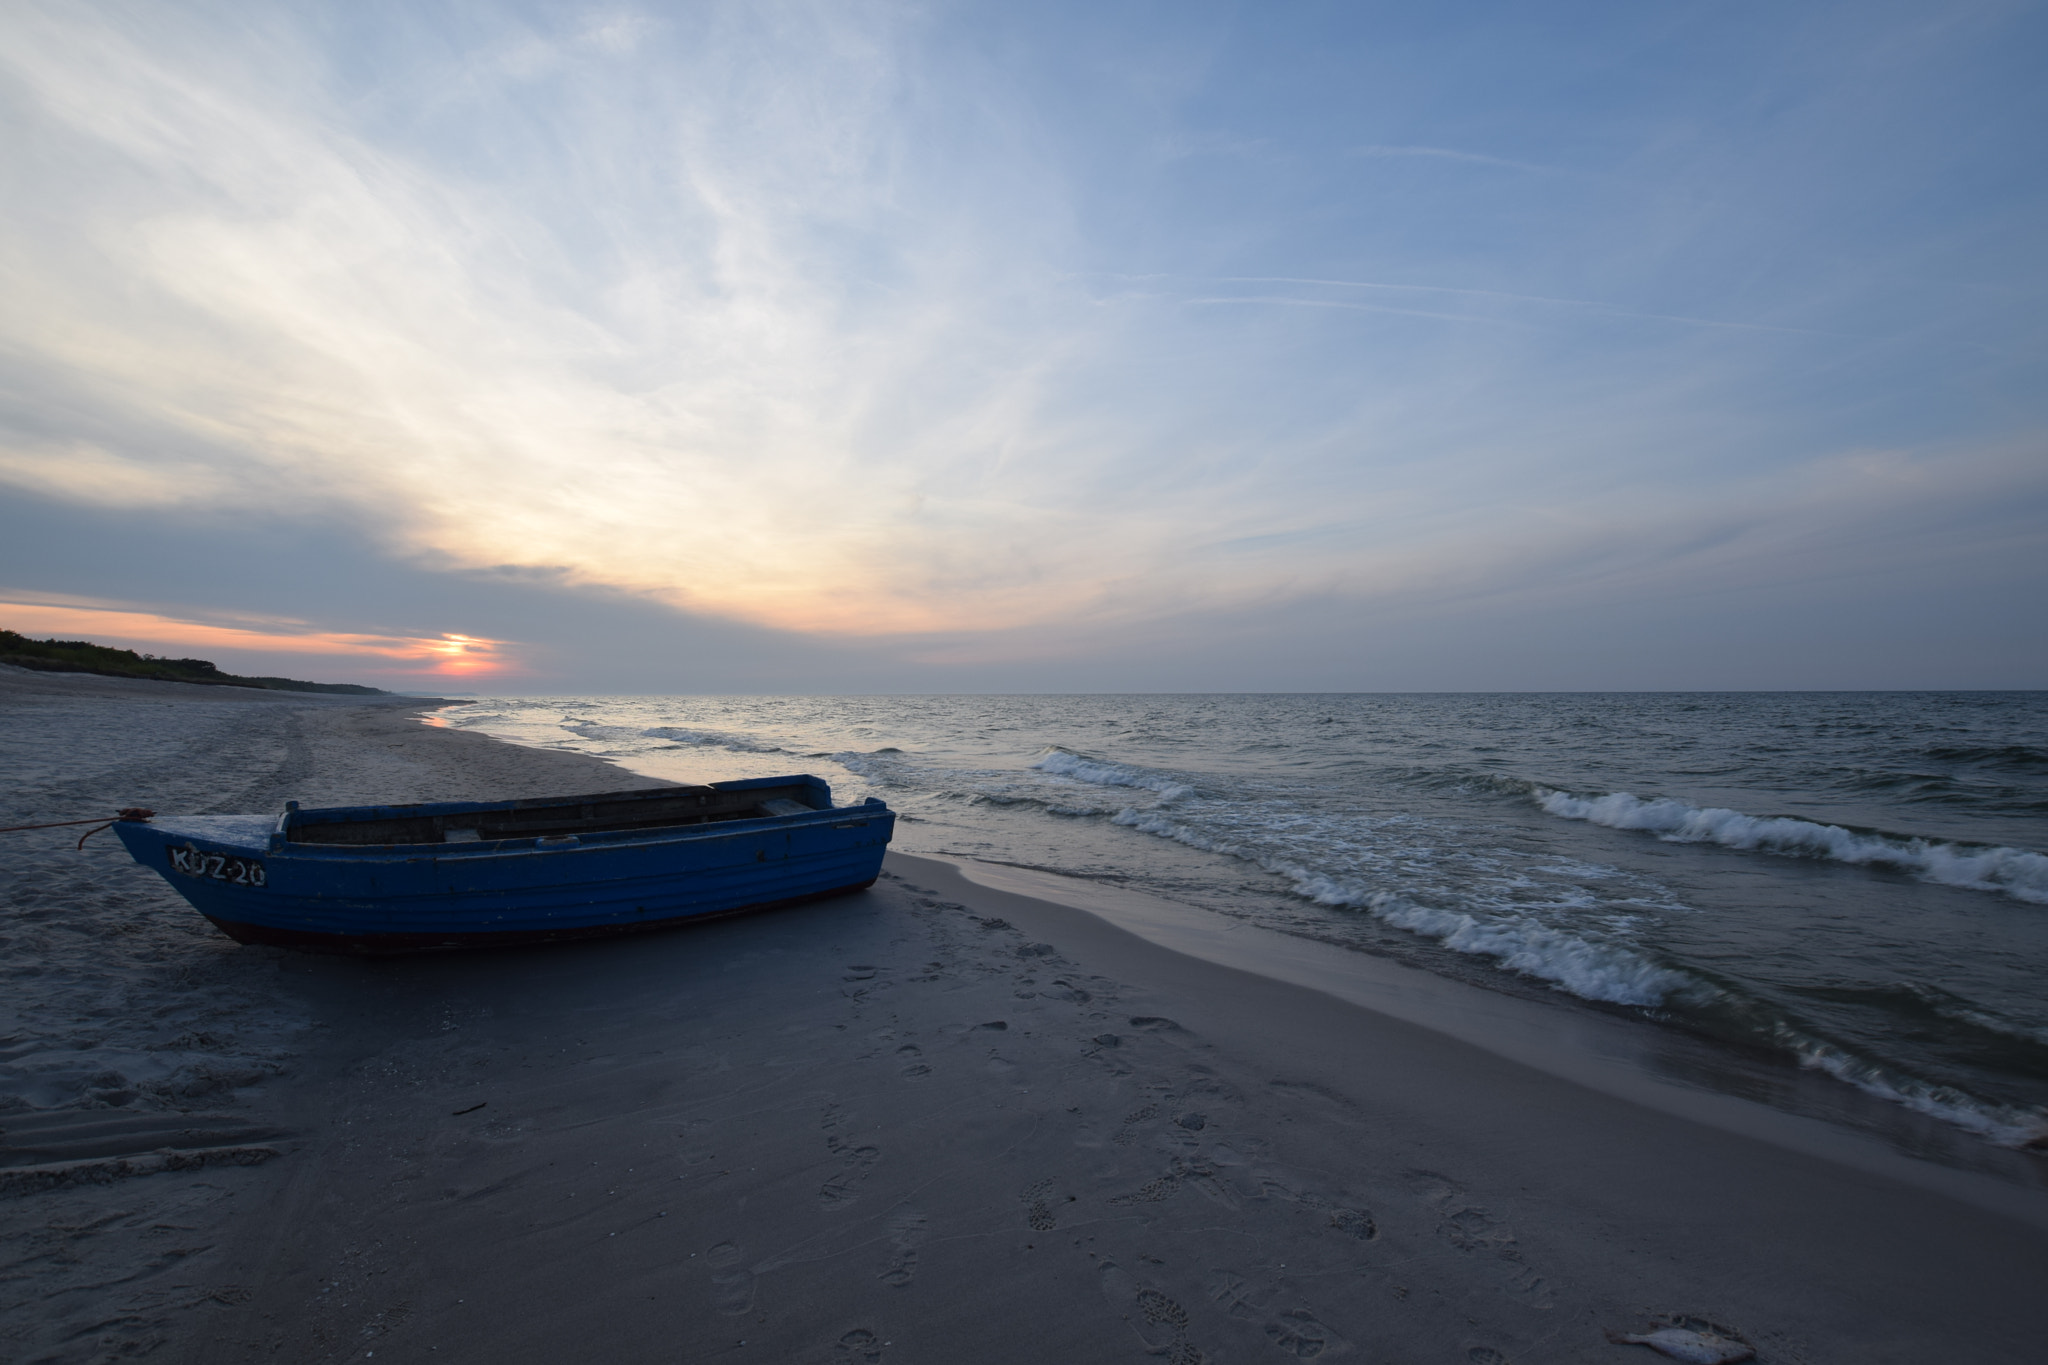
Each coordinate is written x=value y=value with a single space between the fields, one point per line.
x=134 y=626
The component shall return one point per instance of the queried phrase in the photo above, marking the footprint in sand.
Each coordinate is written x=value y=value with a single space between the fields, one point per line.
x=862 y=1345
x=914 y=1068
x=1153 y=1191
x=1357 y=1222
x=841 y=1190
x=1038 y=1207
x=906 y=1233
x=732 y=1284
x=1354 y=1222
x=1127 y=1133
x=1296 y=1332
x=1160 y=1322
x=1475 y=1230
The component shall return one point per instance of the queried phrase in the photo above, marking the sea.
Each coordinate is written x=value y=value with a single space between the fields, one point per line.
x=1853 y=885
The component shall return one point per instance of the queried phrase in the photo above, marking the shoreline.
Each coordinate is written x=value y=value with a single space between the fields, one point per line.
x=1633 y=1060
x=1817 y=981
x=939 y=1120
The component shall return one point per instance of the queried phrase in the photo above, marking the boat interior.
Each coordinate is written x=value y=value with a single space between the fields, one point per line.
x=663 y=808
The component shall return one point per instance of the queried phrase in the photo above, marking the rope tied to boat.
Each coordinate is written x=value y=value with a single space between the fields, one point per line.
x=139 y=813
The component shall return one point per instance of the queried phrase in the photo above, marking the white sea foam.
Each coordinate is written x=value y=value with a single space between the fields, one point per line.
x=1061 y=763
x=2017 y=872
x=1518 y=942
x=1593 y=971
x=979 y=787
x=2008 y=1127
x=883 y=769
x=590 y=729
x=712 y=739
x=633 y=737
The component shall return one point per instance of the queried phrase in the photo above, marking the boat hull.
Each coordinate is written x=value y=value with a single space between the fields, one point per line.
x=429 y=897
x=379 y=944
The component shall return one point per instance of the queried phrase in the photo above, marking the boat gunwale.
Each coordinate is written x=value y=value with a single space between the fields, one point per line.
x=595 y=840
x=282 y=843
x=409 y=809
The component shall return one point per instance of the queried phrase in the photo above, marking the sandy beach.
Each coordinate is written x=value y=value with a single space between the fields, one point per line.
x=938 y=1121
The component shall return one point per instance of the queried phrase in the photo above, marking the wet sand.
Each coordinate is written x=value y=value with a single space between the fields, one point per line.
x=935 y=1122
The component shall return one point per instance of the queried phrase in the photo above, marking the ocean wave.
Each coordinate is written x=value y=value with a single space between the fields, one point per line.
x=1464 y=780
x=2017 y=872
x=2000 y=1124
x=1519 y=943
x=1049 y=803
x=883 y=767
x=1593 y=971
x=669 y=734
x=2016 y=757
x=1101 y=772
x=712 y=739
x=1999 y=1024
x=890 y=767
x=590 y=729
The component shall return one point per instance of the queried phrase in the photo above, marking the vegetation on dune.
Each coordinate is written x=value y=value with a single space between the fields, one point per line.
x=82 y=656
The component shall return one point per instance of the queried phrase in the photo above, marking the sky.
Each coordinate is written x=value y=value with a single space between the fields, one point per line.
x=928 y=347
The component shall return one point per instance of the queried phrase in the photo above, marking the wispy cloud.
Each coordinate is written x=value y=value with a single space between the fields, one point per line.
x=694 y=403
x=747 y=358
x=1296 y=302
x=793 y=314
x=1445 y=154
x=1592 y=305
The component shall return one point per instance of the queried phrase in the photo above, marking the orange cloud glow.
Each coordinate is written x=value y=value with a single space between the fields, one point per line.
x=446 y=655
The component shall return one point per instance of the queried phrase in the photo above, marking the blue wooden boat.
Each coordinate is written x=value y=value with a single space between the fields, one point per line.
x=397 y=879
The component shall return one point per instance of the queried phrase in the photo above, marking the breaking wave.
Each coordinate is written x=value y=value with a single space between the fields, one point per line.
x=672 y=734
x=889 y=768
x=1065 y=763
x=1519 y=943
x=712 y=739
x=1515 y=941
x=2000 y=1124
x=2016 y=872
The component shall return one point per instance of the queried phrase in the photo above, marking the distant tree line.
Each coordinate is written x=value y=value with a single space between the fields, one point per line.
x=82 y=656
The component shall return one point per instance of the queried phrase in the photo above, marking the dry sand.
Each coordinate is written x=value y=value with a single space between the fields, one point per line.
x=936 y=1122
